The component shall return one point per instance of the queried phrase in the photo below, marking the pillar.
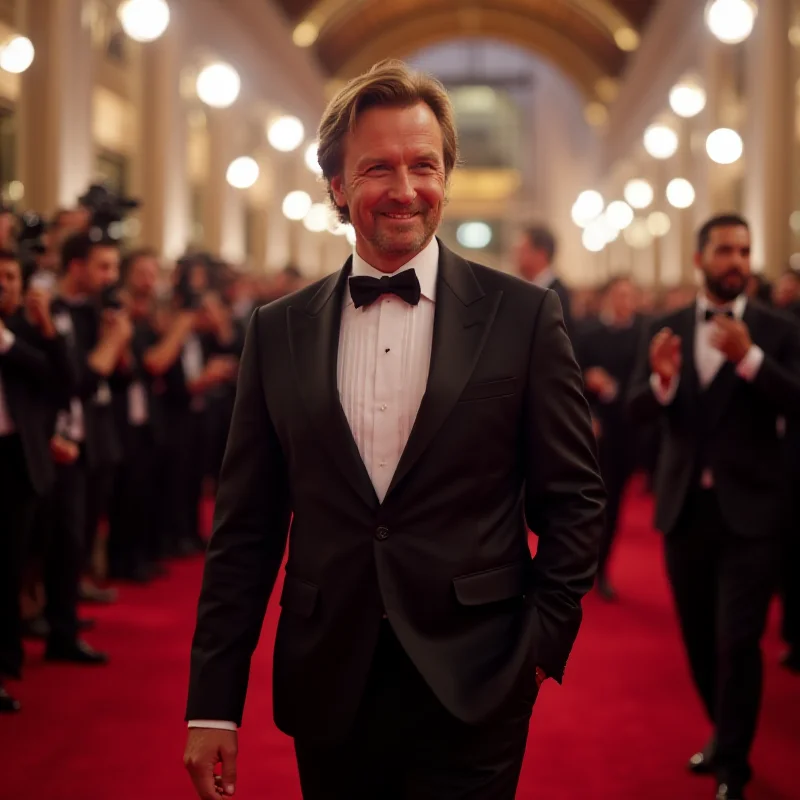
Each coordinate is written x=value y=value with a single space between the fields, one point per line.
x=163 y=134
x=55 y=143
x=768 y=137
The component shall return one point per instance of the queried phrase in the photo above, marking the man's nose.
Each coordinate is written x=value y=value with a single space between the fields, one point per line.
x=402 y=191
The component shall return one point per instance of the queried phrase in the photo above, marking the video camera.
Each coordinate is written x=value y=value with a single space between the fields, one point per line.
x=108 y=210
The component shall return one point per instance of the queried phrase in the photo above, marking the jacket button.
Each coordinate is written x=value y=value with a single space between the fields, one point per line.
x=381 y=534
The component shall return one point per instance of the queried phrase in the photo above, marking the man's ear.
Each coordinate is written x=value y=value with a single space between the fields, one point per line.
x=337 y=189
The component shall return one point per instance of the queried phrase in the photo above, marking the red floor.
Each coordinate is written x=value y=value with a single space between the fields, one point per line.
x=621 y=727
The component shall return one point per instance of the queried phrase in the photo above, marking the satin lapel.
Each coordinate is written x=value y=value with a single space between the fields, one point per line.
x=463 y=318
x=314 y=343
x=720 y=391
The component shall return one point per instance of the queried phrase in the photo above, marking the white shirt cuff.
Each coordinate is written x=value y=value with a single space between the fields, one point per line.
x=664 y=396
x=6 y=340
x=749 y=366
x=221 y=725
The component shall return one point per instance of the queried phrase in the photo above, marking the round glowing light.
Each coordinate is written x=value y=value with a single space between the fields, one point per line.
x=144 y=20
x=242 y=172
x=16 y=191
x=660 y=141
x=305 y=34
x=218 y=85
x=658 y=224
x=687 y=98
x=680 y=193
x=286 y=134
x=474 y=235
x=311 y=159
x=638 y=235
x=619 y=215
x=316 y=220
x=593 y=238
x=296 y=205
x=627 y=39
x=351 y=235
x=596 y=115
x=638 y=193
x=16 y=55
x=587 y=207
x=731 y=21
x=724 y=146
x=794 y=220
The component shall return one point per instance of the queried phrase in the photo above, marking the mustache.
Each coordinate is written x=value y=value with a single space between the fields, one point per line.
x=421 y=209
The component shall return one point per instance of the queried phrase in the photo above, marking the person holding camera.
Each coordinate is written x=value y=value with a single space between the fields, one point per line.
x=33 y=361
x=98 y=338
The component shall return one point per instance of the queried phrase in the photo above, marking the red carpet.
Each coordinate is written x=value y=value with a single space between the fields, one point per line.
x=621 y=728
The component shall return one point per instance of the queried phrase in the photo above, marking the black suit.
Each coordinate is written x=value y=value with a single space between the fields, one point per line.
x=723 y=542
x=502 y=437
x=566 y=305
x=30 y=370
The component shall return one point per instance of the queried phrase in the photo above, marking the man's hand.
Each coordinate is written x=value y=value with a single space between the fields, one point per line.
x=665 y=355
x=117 y=325
x=63 y=450
x=600 y=382
x=205 y=748
x=731 y=337
x=37 y=304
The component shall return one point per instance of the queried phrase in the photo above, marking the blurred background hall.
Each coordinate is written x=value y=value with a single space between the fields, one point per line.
x=158 y=165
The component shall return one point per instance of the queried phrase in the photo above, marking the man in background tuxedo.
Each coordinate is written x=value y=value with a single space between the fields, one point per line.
x=719 y=374
x=414 y=412
x=607 y=350
x=534 y=253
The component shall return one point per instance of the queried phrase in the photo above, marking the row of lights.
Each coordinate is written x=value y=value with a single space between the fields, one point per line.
x=730 y=21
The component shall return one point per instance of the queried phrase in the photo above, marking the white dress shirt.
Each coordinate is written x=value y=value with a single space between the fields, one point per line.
x=382 y=371
x=708 y=360
x=7 y=426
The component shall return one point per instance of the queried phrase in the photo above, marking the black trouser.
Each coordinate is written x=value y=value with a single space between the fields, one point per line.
x=64 y=553
x=791 y=586
x=99 y=486
x=17 y=506
x=132 y=540
x=722 y=585
x=616 y=467
x=406 y=746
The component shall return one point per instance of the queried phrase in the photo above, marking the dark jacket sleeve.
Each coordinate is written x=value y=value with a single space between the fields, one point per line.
x=564 y=494
x=643 y=406
x=779 y=376
x=251 y=525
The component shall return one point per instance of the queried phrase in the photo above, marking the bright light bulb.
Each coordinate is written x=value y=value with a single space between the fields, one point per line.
x=286 y=134
x=660 y=141
x=638 y=193
x=619 y=215
x=144 y=20
x=218 y=85
x=316 y=220
x=474 y=235
x=311 y=159
x=587 y=207
x=724 y=146
x=593 y=238
x=658 y=223
x=731 y=21
x=16 y=55
x=242 y=172
x=687 y=98
x=638 y=235
x=296 y=205
x=680 y=193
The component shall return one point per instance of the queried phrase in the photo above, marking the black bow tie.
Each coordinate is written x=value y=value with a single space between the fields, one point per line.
x=715 y=312
x=366 y=290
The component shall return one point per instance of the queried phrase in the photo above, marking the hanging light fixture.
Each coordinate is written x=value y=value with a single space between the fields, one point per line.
x=296 y=205
x=587 y=207
x=731 y=21
x=660 y=141
x=687 y=98
x=286 y=134
x=638 y=193
x=16 y=55
x=242 y=172
x=724 y=146
x=144 y=20
x=619 y=215
x=680 y=193
x=218 y=85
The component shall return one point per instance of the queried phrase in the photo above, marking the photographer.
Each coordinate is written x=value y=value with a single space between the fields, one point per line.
x=34 y=367
x=98 y=337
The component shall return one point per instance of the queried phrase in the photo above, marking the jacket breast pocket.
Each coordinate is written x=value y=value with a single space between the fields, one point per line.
x=507 y=582
x=299 y=596
x=489 y=390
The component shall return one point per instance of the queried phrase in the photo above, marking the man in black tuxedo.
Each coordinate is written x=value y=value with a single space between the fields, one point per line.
x=607 y=350
x=33 y=364
x=415 y=413
x=719 y=374
x=534 y=253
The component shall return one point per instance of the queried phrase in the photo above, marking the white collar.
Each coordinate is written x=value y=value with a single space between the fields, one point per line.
x=545 y=279
x=737 y=307
x=425 y=263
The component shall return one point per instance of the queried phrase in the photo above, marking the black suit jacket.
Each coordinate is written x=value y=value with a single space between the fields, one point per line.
x=502 y=436
x=739 y=427
x=566 y=305
x=34 y=371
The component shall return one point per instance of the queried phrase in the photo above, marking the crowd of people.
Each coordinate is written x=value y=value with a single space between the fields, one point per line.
x=117 y=380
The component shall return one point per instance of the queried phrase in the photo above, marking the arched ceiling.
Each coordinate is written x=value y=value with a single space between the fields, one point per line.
x=588 y=39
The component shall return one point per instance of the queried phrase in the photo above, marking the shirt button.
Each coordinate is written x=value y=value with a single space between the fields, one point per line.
x=382 y=464
x=384 y=407
x=382 y=534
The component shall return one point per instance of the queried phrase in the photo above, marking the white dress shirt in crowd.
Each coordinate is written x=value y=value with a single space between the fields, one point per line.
x=382 y=370
x=6 y=423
